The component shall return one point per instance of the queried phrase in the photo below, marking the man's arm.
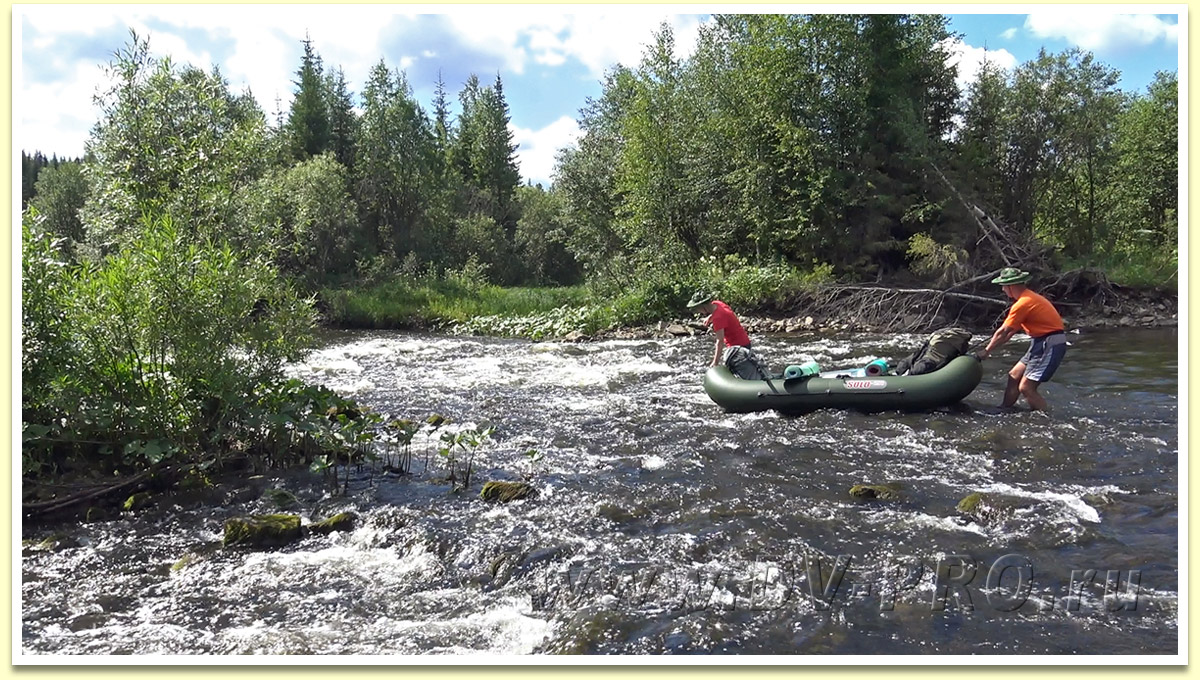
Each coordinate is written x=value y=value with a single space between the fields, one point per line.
x=720 y=346
x=1002 y=335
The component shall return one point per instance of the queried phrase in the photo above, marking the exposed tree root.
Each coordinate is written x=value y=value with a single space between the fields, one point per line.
x=90 y=493
x=912 y=310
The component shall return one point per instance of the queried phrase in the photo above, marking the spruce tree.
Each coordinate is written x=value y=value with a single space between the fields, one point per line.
x=343 y=123
x=308 y=125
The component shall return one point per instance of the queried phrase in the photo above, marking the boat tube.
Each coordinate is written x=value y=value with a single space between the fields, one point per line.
x=948 y=385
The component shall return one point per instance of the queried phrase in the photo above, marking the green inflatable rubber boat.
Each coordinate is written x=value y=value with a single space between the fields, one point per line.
x=845 y=390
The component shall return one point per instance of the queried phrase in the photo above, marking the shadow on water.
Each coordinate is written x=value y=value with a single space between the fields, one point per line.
x=664 y=526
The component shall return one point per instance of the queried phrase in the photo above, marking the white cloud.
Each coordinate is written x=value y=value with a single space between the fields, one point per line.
x=598 y=40
x=537 y=148
x=1009 y=34
x=968 y=59
x=1096 y=30
x=56 y=118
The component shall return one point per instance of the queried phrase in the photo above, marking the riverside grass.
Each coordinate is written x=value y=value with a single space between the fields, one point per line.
x=430 y=304
x=464 y=303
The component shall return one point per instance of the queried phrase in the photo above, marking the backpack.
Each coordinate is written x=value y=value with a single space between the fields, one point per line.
x=937 y=351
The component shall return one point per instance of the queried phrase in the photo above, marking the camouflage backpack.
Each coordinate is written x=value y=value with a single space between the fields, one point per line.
x=942 y=346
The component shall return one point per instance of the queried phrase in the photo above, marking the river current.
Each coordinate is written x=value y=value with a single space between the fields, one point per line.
x=663 y=525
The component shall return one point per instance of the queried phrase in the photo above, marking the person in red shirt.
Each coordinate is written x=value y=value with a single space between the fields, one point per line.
x=1037 y=317
x=733 y=343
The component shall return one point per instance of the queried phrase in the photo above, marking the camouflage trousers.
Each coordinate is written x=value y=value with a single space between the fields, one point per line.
x=744 y=363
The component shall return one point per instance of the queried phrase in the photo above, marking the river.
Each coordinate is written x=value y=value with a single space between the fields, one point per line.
x=662 y=525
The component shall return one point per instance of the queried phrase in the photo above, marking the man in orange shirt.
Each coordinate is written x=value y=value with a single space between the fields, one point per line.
x=1036 y=316
x=733 y=343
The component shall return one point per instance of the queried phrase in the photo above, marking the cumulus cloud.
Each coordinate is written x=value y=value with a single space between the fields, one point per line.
x=1099 y=31
x=969 y=59
x=537 y=148
x=598 y=40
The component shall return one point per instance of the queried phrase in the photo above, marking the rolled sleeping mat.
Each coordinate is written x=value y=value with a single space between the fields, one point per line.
x=877 y=367
x=808 y=368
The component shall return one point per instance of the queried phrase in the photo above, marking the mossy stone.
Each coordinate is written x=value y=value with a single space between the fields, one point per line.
x=506 y=491
x=51 y=543
x=343 y=521
x=971 y=504
x=262 y=531
x=185 y=562
x=282 y=498
x=137 y=501
x=883 y=492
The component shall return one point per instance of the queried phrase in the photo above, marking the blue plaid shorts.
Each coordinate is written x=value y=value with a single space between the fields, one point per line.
x=1044 y=356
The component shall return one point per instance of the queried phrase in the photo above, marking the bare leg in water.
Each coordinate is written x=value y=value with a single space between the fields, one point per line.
x=1019 y=385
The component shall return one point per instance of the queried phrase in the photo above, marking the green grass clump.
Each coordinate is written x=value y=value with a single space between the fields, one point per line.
x=429 y=303
x=467 y=306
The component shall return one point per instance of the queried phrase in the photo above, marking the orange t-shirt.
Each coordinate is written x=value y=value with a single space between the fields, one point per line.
x=1033 y=314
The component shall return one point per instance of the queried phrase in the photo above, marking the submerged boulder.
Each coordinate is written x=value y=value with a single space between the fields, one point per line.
x=281 y=498
x=883 y=492
x=971 y=505
x=990 y=508
x=343 y=521
x=52 y=543
x=262 y=531
x=506 y=491
x=185 y=562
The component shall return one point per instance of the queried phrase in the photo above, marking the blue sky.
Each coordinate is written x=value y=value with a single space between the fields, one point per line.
x=551 y=58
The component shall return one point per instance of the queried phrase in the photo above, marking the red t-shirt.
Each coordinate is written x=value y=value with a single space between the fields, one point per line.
x=724 y=318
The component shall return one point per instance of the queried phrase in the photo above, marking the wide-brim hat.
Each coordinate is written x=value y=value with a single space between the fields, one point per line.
x=1012 y=275
x=700 y=298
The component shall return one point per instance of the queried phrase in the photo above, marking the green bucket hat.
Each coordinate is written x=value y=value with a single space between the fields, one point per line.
x=700 y=298
x=1012 y=275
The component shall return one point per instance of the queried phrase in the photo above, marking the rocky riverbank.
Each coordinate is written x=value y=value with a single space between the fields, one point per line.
x=1137 y=310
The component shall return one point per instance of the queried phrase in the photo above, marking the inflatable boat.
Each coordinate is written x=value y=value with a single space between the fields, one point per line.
x=846 y=389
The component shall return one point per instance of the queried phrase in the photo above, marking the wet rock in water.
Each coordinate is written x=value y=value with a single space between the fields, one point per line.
x=97 y=513
x=282 y=498
x=883 y=492
x=137 y=501
x=262 y=531
x=970 y=504
x=615 y=512
x=575 y=336
x=343 y=521
x=506 y=491
x=52 y=543
x=88 y=621
x=678 y=330
x=986 y=508
x=185 y=562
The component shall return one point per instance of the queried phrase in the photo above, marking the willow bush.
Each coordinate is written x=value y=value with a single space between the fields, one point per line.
x=161 y=349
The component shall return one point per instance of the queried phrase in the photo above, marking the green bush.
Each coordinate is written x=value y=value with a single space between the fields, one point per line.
x=747 y=287
x=152 y=350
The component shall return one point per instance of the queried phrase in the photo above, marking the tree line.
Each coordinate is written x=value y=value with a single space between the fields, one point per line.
x=327 y=191
x=844 y=139
x=839 y=139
